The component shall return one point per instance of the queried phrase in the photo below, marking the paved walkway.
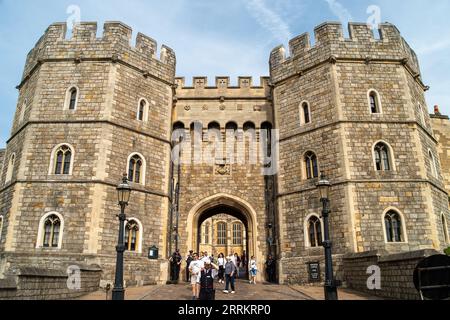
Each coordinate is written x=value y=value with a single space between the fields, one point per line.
x=244 y=291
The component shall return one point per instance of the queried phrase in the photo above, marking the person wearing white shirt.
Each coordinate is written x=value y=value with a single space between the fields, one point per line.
x=253 y=267
x=195 y=268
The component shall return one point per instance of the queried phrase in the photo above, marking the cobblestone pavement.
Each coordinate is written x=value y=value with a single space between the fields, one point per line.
x=244 y=291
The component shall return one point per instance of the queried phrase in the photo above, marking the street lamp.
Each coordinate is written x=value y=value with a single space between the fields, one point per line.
x=123 y=196
x=330 y=285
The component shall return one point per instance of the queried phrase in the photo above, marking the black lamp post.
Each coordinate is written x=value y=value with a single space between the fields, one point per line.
x=123 y=194
x=330 y=285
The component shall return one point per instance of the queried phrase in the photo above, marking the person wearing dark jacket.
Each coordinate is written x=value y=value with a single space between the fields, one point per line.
x=271 y=269
x=230 y=273
x=175 y=264
x=189 y=259
x=207 y=291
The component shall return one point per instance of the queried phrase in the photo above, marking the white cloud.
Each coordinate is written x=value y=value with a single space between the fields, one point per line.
x=270 y=20
x=340 y=11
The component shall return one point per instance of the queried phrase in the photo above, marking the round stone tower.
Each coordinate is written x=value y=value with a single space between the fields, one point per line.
x=90 y=109
x=354 y=109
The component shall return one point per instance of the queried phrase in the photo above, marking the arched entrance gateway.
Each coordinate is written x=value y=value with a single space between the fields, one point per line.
x=224 y=204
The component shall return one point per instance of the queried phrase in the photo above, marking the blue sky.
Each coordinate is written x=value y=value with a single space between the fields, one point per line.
x=232 y=37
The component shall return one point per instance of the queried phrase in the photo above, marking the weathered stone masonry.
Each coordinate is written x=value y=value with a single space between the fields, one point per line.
x=334 y=77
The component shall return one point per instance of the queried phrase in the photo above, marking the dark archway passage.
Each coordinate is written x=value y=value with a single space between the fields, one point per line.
x=221 y=237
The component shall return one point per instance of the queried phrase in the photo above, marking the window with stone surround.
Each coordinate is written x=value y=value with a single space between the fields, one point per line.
x=50 y=233
x=133 y=236
x=422 y=115
x=305 y=113
x=136 y=168
x=221 y=233
x=71 y=100
x=433 y=165
x=374 y=101
x=383 y=157
x=445 y=228
x=206 y=233
x=311 y=165
x=394 y=227
x=142 y=111
x=61 y=162
x=237 y=233
x=314 y=232
x=10 y=170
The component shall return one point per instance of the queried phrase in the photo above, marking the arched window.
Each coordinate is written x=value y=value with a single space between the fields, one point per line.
x=50 y=231
x=10 y=170
x=179 y=132
x=136 y=168
x=142 y=113
x=206 y=234
x=305 y=113
x=382 y=154
x=249 y=126
x=214 y=126
x=231 y=126
x=374 y=102
x=433 y=165
x=133 y=236
x=71 y=101
x=196 y=132
x=63 y=160
x=394 y=227
x=314 y=231
x=445 y=229
x=221 y=233
x=237 y=234
x=311 y=165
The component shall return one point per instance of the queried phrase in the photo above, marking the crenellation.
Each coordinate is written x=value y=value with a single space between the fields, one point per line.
x=84 y=31
x=389 y=32
x=330 y=41
x=327 y=33
x=115 y=44
x=360 y=32
x=300 y=44
x=222 y=82
x=245 y=82
x=146 y=45
x=117 y=32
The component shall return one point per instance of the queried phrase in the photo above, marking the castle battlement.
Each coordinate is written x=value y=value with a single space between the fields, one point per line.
x=115 y=44
x=330 y=44
x=222 y=88
x=222 y=82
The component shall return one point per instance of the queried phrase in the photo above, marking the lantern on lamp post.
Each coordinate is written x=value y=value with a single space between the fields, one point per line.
x=123 y=197
x=324 y=187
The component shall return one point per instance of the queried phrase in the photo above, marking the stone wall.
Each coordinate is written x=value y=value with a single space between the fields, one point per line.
x=397 y=272
x=441 y=129
x=30 y=283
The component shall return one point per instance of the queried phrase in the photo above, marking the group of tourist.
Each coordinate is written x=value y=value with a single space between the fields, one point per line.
x=202 y=270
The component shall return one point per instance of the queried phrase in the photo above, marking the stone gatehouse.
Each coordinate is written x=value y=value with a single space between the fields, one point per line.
x=91 y=108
